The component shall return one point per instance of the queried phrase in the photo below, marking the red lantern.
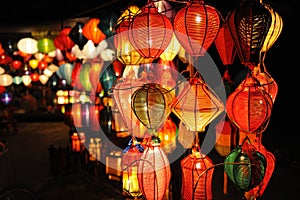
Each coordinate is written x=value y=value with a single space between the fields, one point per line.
x=249 y=106
x=91 y=31
x=225 y=45
x=196 y=26
x=63 y=41
x=154 y=171
x=34 y=77
x=42 y=65
x=150 y=32
x=16 y=64
x=197 y=174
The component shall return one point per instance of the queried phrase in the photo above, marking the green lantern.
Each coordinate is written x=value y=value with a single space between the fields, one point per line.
x=245 y=166
x=45 y=45
x=84 y=76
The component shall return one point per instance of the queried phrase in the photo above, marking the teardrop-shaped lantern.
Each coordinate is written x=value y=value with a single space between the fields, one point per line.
x=245 y=166
x=66 y=72
x=151 y=105
x=84 y=76
x=91 y=31
x=249 y=106
x=197 y=174
x=249 y=24
x=196 y=26
x=150 y=32
x=154 y=171
x=274 y=30
x=197 y=105
x=77 y=36
x=225 y=45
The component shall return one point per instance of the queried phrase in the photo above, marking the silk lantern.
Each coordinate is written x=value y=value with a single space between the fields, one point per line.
x=91 y=31
x=172 y=50
x=45 y=45
x=167 y=135
x=197 y=105
x=62 y=41
x=77 y=36
x=6 y=79
x=196 y=26
x=108 y=78
x=154 y=171
x=249 y=106
x=245 y=166
x=65 y=71
x=249 y=24
x=225 y=45
x=28 y=45
x=131 y=156
x=84 y=76
x=197 y=174
x=151 y=105
x=150 y=32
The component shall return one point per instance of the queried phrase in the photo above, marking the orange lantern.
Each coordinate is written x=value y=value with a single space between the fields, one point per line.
x=91 y=31
x=34 y=77
x=196 y=26
x=167 y=135
x=197 y=174
x=154 y=171
x=249 y=106
x=150 y=32
x=197 y=105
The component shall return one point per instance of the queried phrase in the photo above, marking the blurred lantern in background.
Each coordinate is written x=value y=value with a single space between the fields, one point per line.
x=6 y=79
x=62 y=41
x=28 y=45
x=107 y=78
x=91 y=31
x=77 y=36
x=107 y=23
x=45 y=45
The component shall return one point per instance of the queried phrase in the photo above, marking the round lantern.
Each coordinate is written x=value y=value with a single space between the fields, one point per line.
x=28 y=45
x=245 y=166
x=249 y=24
x=34 y=77
x=131 y=157
x=91 y=31
x=151 y=105
x=196 y=26
x=150 y=32
x=6 y=80
x=45 y=45
x=249 y=106
x=154 y=171
x=197 y=174
x=77 y=36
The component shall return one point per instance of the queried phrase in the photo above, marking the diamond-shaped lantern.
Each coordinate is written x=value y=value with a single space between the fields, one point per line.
x=197 y=105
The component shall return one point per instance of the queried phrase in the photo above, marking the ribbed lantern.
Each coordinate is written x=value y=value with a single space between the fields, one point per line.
x=172 y=50
x=150 y=32
x=274 y=30
x=45 y=45
x=62 y=41
x=245 y=166
x=131 y=157
x=249 y=25
x=197 y=105
x=249 y=106
x=151 y=105
x=167 y=135
x=225 y=45
x=197 y=174
x=196 y=26
x=154 y=171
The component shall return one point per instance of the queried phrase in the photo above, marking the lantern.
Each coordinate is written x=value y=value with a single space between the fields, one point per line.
x=196 y=26
x=91 y=31
x=197 y=174
x=249 y=106
x=167 y=135
x=107 y=23
x=151 y=105
x=197 y=105
x=28 y=45
x=42 y=64
x=122 y=93
x=108 y=78
x=154 y=171
x=84 y=76
x=65 y=71
x=16 y=63
x=34 y=77
x=245 y=166
x=76 y=144
x=77 y=36
x=26 y=79
x=63 y=42
x=226 y=134
x=43 y=78
x=165 y=8
x=150 y=32
x=76 y=115
x=17 y=80
x=131 y=156
x=172 y=50
x=45 y=45
x=249 y=24
x=185 y=137
x=6 y=79
x=225 y=45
